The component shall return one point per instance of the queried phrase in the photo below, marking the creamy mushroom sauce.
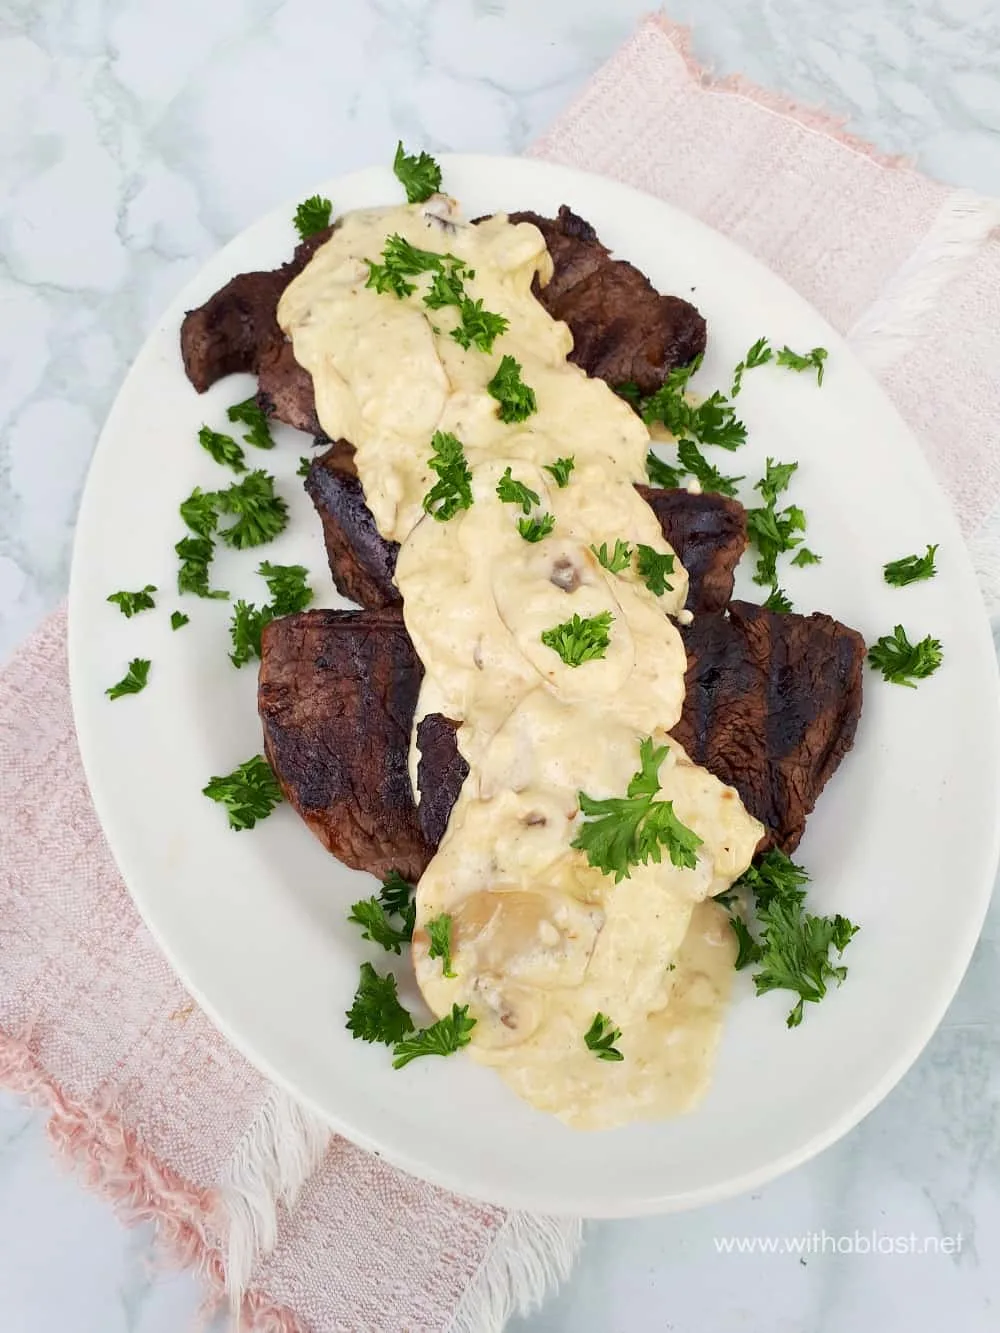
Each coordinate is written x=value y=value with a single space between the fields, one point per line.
x=541 y=941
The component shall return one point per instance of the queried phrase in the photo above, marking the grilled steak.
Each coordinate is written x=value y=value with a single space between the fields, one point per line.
x=237 y=328
x=708 y=532
x=440 y=774
x=337 y=693
x=623 y=329
x=771 y=707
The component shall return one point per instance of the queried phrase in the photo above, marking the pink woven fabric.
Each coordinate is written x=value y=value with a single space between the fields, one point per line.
x=143 y=1093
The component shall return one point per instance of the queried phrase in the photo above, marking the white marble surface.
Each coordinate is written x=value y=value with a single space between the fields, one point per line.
x=136 y=137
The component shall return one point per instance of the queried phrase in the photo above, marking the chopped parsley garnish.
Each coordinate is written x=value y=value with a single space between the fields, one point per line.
x=376 y=1014
x=250 y=415
x=534 y=529
x=601 y=1037
x=758 y=355
x=419 y=174
x=516 y=493
x=402 y=260
x=771 y=530
x=249 y=793
x=561 y=469
x=625 y=831
x=709 y=477
x=304 y=465
x=793 y=948
x=131 y=603
x=661 y=473
x=312 y=215
x=444 y=1037
x=620 y=558
x=653 y=568
x=813 y=360
x=668 y=404
x=715 y=422
x=223 y=448
x=199 y=512
x=453 y=489
x=447 y=288
x=196 y=556
x=260 y=514
x=516 y=399
x=288 y=586
x=911 y=568
x=803 y=556
x=777 y=601
x=178 y=619
x=290 y=592
x=245 y=630
x=373 y=918
x=478 y=326
x=133 y=682
x=902 y=662
x=396 y=896
x=578 y=640
x=439 y=934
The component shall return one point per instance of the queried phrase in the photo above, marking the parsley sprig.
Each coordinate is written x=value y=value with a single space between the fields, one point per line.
x=620 y=832
x=601 y=1036
x=260 y=514
x=312 y=215
x=515 y=398
x=134 y=681
x=910 y=569
x=902 y=662
x=439 y=934
x=249 y=793
x=376 y=1014
x=561 y=470
x=377 y=916
x=131 y=603
x=290 y=592
x=453 y=489
x=709 y=478
x=772 y=530
x=712 y=421
x=419 y=174
x=534 y=529
x=192 y=576
x=614 y=561
x=580 y=640
x=653 y=568
x=792 y=947
x=445 y=1037
x=762 y=352
x=514 y=492
x=223 y=449
x=178 y=620
x=661 y=473
x=250 y=415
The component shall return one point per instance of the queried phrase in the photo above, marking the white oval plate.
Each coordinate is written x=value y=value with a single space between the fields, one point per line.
x=904 y=840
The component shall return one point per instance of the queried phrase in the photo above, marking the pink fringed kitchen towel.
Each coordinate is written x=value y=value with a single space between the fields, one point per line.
x=308 y=1232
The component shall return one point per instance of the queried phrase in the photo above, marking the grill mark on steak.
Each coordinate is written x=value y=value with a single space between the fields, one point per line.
x=707 y=531
x=623 y=329
x=771 y=707
x=336 y=694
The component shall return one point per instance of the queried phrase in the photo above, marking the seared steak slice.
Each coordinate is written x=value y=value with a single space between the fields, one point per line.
x=708 y=532
x=337 y=693
x=362 y=561
x=771 y=706
x=234 y=330
x=440 y=774
x=623 y=330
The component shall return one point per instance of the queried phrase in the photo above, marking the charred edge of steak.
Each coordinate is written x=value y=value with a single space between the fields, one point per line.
x=362 y=561
x=771 y=707
x=708 y=532
x=337 y=693
x=624 y=330
x=440 y=774
x=238 y=327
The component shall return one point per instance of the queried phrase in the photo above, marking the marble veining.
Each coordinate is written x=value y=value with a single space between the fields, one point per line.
x=137 y=137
